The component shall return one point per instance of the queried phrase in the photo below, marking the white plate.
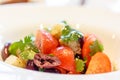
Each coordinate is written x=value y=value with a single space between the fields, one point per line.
x=16 y=21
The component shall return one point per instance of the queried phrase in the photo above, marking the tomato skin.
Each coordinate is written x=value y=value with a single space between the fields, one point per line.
x=66 y=56
x=90 y=38
x=45 y=41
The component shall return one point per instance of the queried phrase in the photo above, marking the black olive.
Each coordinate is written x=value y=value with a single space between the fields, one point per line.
x=81 y=41
x=46 y=61
x=5 y=53
x=30 y=65
x=52 y=70
x=79 y=56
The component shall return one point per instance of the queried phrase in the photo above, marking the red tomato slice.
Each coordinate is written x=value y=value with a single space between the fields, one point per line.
x=66 y=57
x=86 y=47
x=45 y=41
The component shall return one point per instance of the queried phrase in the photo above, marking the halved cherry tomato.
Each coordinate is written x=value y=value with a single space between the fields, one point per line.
x=66 y=56
x=45 y=41
x=88 y=40
x=99 y=63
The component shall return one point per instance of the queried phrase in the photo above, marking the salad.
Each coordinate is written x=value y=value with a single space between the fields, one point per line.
x=60 y=49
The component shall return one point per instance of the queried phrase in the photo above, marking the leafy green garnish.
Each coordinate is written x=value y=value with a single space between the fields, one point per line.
x=16 y=47
x=80 y=65
x=25 y=48
x=66 y=30
x=27 y=39
x=69 y=34
x=96 y=46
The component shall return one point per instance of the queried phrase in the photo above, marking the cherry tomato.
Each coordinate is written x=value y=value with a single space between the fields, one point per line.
x=45 y=41
x=66 y=56
x=90 y=38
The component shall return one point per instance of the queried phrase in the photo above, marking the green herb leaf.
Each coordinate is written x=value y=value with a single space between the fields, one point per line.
x=26 y=45
x=96 y=46
x=66 y=30
x=80 y=65
x=16 y=47
x=75 y=35
x=69 y=34
x=27 y=39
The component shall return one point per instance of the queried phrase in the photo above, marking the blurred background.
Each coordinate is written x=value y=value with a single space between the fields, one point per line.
x=113 y=5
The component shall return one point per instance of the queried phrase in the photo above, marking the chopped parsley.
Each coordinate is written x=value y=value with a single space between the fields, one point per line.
x=96 y=46
x=69 y=34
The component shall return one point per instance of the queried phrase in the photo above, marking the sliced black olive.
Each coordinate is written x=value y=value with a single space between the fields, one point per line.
x=30 y=65
x=46 y=61
x=52 y=70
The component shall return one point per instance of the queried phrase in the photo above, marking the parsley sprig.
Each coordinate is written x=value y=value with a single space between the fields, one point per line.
x=96 y=46
x=24 y=48
x=70 y=34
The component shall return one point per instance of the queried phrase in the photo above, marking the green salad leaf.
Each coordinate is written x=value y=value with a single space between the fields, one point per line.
x=96 y=46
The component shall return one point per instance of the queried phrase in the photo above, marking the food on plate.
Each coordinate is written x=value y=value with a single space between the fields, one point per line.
x=59 y=49
x=16 y=61
x=91 y=46
x=99 y=63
